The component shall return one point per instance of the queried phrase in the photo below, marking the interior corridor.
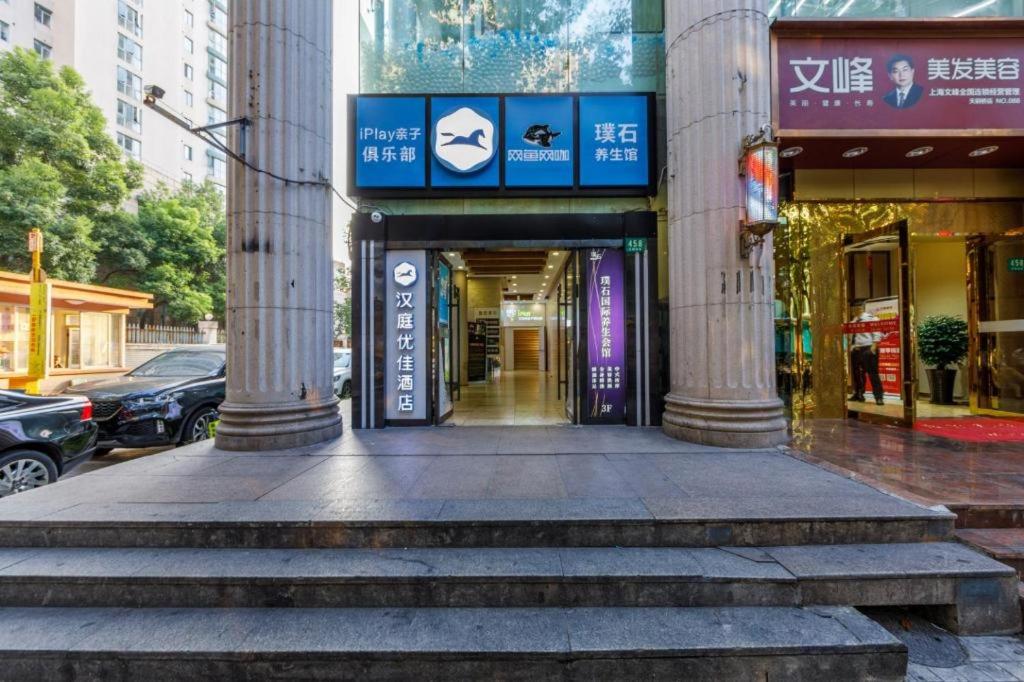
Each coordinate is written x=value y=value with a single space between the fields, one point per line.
x=511 y=398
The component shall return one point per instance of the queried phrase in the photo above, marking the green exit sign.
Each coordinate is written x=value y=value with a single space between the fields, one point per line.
x=636 y=244
x=1015 y=264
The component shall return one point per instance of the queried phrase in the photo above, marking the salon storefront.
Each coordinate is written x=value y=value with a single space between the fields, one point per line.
x=903 y=198
x=86 y=331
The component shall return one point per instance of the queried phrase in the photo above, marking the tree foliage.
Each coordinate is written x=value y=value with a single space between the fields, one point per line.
x=173 y=248
x=59 y=169
x=343 y=308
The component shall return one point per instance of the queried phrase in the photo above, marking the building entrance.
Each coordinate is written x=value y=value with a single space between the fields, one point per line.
x=464 y=331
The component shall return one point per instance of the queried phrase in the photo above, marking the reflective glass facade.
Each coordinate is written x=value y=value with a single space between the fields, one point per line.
x=441 y=46
x=896 y=8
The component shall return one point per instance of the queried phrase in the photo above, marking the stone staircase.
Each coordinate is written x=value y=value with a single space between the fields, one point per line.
x=499 y=590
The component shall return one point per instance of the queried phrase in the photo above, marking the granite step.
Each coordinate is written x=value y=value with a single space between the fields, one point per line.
x=835 y=643
x=583 y=522
x=970 y=593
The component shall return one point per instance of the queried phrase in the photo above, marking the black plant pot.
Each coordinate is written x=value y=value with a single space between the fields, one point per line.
x=942 y=382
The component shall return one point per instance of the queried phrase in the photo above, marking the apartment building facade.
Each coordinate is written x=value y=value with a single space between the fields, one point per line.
x=121 y=46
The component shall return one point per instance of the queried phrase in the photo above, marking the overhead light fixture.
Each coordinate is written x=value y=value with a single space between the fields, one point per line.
x=974 y=8
x=554 y=253
x=512 y=276
x=451 y=255
x=74 y=301
x=855 y=152
x=790 y=152
x=984 y=151
x=920 y=151
x=551 y=267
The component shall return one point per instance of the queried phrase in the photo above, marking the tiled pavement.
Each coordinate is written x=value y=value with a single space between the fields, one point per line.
x=989 y=659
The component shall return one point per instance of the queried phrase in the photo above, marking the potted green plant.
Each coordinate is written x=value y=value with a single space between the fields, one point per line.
x=942 y=341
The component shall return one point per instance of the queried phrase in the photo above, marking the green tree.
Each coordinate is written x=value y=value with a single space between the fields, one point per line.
x=173 y=248
x=343 y=309
x=59 y=168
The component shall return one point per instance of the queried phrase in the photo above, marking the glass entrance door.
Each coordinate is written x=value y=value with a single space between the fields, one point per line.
x=880 y=373
x=568 y=335
x=997 y=325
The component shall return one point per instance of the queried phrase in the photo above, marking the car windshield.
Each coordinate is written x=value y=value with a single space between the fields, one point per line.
x=181 y=364
x=342 y=360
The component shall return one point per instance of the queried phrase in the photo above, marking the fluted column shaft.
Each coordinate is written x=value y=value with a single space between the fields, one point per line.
x=279 y=290
x=718 y=87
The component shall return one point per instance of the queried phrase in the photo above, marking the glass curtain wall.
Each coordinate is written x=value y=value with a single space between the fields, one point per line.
x=896 y=8
x=438 y=46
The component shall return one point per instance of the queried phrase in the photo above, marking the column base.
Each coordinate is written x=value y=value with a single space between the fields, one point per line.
x=277 y=427
x=725 y=423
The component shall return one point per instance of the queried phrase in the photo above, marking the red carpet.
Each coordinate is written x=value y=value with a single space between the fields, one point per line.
x=974 y=429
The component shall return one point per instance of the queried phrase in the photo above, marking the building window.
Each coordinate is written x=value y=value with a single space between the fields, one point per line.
x=190 y=20
x=188 y=72
x=188 y=45
x=42 y=49
x=216 y=168
x=188 y=152
x=218 y=43
x=128 y=83
x=218 y=68
x=130 y=145
x=218 y=17
x=129 y=50
x=129 y=116
x=5 y=32
x=129 y=18
x=43 y=15
x=217 y=92
x=101 y=340
x=186 y=176
x=188 y=97
x=217 y=115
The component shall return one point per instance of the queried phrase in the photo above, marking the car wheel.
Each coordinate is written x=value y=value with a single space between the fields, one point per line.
x=102 y=452
x=23 y=470
x=346 y=390
x=198 y=426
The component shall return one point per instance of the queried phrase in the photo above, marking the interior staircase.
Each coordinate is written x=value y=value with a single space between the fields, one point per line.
x=496 y=591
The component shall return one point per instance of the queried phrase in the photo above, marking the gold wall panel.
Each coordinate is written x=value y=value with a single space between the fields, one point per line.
x=810 y=284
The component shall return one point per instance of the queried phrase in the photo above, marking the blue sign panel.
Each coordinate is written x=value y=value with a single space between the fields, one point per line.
x=464 y=142
x=614 y=150
x=538 y=142
x=390 y=142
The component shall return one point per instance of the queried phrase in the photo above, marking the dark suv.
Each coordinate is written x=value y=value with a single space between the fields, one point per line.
x=170 y=400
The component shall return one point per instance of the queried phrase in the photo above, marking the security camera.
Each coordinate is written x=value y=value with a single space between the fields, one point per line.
x=377 y=216
x=153 y=93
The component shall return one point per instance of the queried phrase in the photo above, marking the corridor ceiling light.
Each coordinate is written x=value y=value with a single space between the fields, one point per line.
x=551 y=267
x=920 y=151
x=974 y=8
x=984 y=151
x=790 y=152
x=855 y=152
x=451 y=255
x=554 y=253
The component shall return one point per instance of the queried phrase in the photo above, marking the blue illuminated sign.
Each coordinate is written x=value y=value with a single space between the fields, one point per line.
x=613 y=141
x=463 y=142
x=501 y=145
x=538 y=142
x=390 y=142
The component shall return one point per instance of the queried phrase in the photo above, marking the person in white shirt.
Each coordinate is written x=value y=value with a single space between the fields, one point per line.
x=864 y=360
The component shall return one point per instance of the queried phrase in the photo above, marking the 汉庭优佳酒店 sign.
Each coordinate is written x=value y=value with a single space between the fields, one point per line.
x=914 y=85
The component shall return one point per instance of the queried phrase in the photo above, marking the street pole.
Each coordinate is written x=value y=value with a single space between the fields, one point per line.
x=39 y=316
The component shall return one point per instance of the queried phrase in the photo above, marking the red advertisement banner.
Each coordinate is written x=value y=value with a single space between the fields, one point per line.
x=899 y=84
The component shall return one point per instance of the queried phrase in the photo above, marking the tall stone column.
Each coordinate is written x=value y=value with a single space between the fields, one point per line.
x=718 y=91
x=279 y=291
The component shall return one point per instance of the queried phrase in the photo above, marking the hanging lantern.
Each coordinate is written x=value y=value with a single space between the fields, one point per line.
x=759 y=167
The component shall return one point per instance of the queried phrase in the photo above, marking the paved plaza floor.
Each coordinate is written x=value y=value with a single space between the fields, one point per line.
x=497 y=473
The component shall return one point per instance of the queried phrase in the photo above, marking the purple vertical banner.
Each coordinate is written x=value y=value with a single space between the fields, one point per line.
x=606 y=331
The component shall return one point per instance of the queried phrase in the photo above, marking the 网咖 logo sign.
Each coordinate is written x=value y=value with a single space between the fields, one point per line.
x=464 y=140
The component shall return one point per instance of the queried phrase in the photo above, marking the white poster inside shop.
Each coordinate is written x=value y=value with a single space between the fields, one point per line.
x=407 y=314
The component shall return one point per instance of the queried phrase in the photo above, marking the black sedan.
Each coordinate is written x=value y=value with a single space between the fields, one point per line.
x=170 y=400
x=42 y=438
